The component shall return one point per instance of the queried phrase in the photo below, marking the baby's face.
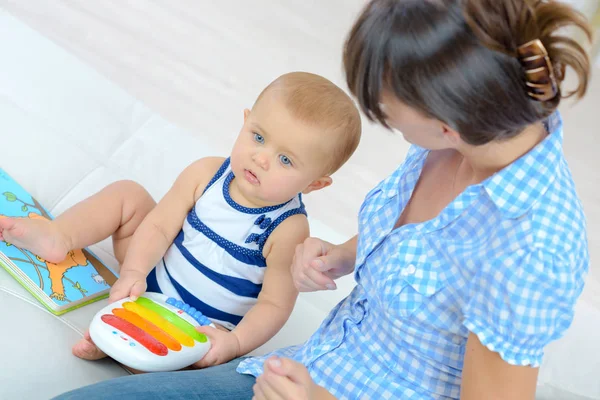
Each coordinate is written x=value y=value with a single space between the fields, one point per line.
x=276 y=156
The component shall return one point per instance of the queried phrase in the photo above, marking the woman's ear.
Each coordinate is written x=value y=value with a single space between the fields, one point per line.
x=318 y=184
x=451 y=135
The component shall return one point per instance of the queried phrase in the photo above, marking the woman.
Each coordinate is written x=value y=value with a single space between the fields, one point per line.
x=471 y=255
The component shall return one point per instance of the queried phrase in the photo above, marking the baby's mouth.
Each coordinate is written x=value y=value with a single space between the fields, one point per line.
x=250 y=177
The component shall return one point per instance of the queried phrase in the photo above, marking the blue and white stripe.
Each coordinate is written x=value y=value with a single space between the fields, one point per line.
x=216 y=263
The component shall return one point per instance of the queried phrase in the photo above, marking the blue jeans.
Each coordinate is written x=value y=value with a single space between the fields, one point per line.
x=220 y=382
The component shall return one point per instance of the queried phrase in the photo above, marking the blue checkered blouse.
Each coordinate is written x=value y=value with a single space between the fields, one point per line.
x=505 y=260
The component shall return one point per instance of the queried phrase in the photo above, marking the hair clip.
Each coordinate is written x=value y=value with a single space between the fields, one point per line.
x=540 y=79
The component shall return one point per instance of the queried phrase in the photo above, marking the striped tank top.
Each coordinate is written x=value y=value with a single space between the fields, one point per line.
x=215 y=263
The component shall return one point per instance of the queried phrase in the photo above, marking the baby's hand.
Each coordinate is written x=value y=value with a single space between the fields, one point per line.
x=224 y=346
x=130 y=284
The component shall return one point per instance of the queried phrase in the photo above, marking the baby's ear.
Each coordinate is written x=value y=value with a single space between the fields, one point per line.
x=318 y=184
x=246 y=113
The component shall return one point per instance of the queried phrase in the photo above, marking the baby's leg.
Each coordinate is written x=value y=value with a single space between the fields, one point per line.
x=116 y=210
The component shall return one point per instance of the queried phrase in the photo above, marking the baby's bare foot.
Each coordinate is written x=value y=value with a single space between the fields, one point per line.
x=36 y=235
x=87 y=350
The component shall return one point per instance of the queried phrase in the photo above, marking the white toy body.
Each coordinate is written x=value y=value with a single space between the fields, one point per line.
x=148 y=336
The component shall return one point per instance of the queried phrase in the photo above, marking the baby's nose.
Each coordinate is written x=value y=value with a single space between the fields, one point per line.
x=261 y=160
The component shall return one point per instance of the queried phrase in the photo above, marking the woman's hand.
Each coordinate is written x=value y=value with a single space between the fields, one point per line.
x=318 y=263
x=284 y=379
x=224 y=346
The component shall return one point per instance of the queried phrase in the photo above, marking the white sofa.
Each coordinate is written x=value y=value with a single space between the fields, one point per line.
x=66 y=131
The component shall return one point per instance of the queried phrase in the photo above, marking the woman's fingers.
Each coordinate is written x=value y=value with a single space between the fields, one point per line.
x=310 y=264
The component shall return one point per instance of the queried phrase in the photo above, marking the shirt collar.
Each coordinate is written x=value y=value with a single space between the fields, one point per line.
x=409 y=172
x=516 y=188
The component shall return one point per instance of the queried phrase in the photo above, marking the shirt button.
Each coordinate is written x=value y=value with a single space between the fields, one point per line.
x=411 y=269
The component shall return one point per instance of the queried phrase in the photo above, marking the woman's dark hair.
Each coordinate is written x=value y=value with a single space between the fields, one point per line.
x=456 y=60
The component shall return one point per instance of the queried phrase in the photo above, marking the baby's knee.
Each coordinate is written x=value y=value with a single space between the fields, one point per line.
x=133 y=194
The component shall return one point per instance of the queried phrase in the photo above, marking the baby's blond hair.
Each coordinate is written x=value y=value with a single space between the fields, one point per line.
x=317 y=101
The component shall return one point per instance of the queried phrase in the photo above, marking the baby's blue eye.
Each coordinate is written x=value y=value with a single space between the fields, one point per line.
x=284 y=160
x=259 y=138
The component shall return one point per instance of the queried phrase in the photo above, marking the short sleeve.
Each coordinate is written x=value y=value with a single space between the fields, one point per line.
x=523 y=301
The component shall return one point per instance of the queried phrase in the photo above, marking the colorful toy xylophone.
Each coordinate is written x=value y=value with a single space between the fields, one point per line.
x=153 y=333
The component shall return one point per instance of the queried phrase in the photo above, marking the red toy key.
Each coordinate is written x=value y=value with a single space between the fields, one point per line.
x=136 y=333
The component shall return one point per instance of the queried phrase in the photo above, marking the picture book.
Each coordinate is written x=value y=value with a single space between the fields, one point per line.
x=81 y=278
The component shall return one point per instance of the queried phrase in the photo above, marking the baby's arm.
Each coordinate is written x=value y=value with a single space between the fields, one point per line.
x=275 y=301
x=158 y=230
x=278 y=295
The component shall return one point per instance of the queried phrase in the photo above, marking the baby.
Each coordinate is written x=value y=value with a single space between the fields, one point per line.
x=223 y=237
